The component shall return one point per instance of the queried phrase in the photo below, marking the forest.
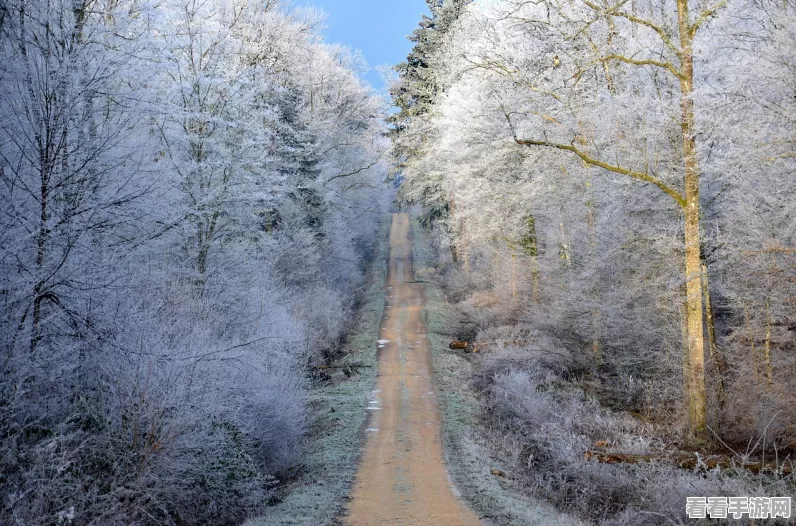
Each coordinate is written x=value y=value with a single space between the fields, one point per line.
x=193 y=200
x=189 y=195
x=611 y=187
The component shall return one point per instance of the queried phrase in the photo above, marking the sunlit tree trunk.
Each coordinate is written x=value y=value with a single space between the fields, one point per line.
x=684 y=345
x=697 y=399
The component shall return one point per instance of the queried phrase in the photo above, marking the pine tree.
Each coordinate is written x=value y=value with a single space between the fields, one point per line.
x=415 y=94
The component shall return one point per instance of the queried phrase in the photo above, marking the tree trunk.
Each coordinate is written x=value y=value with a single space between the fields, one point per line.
x=749 y=338
x=767 y=349
x=454 y=248
x=530 y=245
x=684 y=341
x=715 y=354
x=41 y=245
x=591 y=223
x=697 y=397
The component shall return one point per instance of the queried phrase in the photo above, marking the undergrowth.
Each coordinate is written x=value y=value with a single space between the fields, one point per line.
x=468 y=452
x=318 y=490
x=526 y=410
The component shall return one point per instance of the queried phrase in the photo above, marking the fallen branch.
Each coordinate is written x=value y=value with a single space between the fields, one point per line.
x=350 y=366
x=477 y=347
x=690 y=461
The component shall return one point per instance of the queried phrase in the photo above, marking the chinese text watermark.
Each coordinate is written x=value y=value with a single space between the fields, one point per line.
x=738 y=507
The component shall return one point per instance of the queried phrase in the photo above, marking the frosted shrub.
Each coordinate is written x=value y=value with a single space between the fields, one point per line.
x=325 y=318
x=546 y=424
x=274 y=418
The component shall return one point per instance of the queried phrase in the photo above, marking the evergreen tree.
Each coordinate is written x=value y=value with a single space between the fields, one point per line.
x=414 y=94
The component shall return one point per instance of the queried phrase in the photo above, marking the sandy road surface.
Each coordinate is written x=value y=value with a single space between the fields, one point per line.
x=402 y=479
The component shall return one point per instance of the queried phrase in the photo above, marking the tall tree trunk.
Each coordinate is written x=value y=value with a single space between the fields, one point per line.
x=684 y=343
x=715 y=354
x=697 y=396
x=42 y=140
x=591 y=223
x=39 y=288
x=530 y=245
x=750 y=338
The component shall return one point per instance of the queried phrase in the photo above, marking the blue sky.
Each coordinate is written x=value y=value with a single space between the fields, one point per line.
x=378 y=28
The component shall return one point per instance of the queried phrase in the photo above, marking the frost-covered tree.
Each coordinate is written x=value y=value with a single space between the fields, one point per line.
x=669 y=49
x=599 y=147
x=70 y=160
x=418 y=86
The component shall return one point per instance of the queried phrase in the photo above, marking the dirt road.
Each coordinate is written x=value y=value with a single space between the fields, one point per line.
x=402 y=479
